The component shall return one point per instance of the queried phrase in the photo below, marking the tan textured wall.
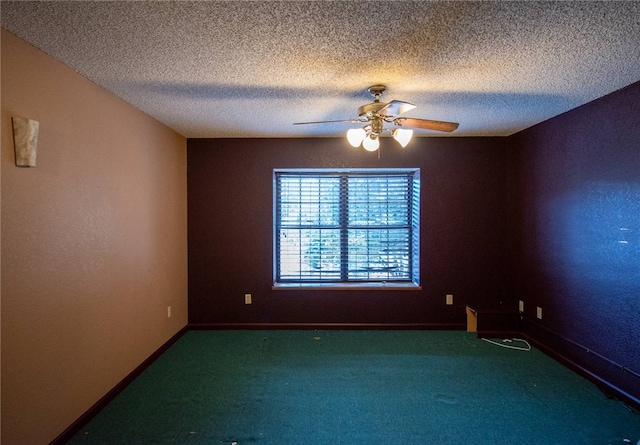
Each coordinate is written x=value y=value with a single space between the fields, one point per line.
x=93 y=244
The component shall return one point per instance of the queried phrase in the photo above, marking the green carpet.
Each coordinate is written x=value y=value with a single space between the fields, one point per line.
x=357 y=387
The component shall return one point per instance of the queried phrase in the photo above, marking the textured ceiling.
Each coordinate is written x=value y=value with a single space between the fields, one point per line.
x=252 y=69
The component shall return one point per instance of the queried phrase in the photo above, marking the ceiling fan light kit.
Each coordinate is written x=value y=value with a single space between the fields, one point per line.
x=375 y=114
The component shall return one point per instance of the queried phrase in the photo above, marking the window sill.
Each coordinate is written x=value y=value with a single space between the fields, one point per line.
x=346 y=286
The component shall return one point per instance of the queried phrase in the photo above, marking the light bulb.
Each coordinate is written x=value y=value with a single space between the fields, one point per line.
x=403 y=136
x=371 y=143
x=355 y=136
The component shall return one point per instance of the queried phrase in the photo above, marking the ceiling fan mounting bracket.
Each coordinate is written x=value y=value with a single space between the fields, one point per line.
x=376 y=91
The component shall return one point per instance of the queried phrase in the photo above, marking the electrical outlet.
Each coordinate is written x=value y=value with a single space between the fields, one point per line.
x=521 y=305
x=449 y=299
x=539 y=312
x=247 y=298
x=168 y=311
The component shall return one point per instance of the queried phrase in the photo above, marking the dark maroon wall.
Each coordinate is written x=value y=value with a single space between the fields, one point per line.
x=574 y=200
x=231 y=217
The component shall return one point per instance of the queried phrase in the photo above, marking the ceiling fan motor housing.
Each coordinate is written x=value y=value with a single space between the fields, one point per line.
x=371 y=109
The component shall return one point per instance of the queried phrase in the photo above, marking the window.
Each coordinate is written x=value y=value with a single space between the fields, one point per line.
x=347 y=227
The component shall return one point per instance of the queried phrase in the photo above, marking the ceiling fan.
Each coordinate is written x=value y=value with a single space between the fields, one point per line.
x=375 y=114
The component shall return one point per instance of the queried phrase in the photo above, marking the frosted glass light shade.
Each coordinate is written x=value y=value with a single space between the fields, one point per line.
x=403 y=136
x=355 y=136
x=371 y=143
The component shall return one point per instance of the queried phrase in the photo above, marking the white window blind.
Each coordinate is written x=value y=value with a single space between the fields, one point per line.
x=347 y=226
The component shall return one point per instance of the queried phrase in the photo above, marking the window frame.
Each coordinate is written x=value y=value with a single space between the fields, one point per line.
x=414 y=217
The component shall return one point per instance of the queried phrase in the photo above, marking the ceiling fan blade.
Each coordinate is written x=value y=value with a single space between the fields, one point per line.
x=355 y=121
x=426 y=124
x=395 y=107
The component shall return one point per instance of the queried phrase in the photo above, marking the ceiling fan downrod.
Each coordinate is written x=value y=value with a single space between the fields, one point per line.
x=371 y=110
